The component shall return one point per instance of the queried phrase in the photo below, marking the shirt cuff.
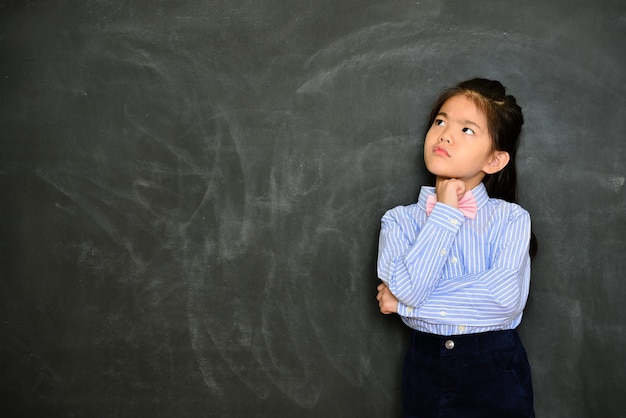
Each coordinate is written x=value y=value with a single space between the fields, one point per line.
x=406 y=311
x=447 y=217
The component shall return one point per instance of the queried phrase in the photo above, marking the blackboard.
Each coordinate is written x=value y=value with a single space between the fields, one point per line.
x=191 y=196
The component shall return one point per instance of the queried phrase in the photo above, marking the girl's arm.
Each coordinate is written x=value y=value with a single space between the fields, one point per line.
x=494 y=296
x=411 y=259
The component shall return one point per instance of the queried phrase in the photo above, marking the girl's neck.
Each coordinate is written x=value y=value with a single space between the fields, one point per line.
x=469 y=184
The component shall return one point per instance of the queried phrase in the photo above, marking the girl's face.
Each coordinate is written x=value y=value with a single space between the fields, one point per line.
x=458 y=144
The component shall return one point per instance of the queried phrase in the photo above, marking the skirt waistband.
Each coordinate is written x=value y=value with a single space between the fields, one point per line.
x=465 y=343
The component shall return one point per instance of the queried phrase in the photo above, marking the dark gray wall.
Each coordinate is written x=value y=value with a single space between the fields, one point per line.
x=191 y=194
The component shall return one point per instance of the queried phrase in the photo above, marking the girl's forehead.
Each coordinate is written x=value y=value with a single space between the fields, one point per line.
x=462 y=107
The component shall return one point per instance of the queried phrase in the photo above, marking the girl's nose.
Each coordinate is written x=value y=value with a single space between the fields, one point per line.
x=445 y=139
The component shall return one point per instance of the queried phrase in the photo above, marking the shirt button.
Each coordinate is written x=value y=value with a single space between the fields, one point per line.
x=449 y=344
x=454 y=222
x=443 y=313
x=409 y=309
x=443 y=252
x=454 y=260
x=461 y=328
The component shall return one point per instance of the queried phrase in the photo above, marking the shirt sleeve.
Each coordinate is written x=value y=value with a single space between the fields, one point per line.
x=410 y=258
x=412 y=269
x=494 y=296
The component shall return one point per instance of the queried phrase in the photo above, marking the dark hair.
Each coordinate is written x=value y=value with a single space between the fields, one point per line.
x=505 y=120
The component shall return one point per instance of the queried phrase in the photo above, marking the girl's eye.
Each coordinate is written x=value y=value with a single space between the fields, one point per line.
x=439 y=122
x=468 y=131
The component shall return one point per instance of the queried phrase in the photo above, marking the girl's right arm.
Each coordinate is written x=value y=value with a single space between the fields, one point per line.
x=411 y=258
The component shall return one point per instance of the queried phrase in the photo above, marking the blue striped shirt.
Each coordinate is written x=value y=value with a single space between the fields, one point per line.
x=454 y=275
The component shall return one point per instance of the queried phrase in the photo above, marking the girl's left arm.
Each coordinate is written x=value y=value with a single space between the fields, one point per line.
x=494 y=296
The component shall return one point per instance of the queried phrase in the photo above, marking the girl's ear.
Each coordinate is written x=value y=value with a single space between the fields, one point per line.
x=499 y=160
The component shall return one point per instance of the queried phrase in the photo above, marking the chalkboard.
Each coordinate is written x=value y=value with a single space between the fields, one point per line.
x=192 y=192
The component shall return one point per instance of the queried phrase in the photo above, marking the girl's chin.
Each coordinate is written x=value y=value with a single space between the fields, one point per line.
x=445 y=176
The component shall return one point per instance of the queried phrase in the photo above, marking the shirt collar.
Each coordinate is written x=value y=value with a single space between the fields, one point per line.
x=480 y=194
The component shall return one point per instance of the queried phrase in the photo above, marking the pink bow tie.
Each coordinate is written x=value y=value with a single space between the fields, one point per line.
x=467 y=204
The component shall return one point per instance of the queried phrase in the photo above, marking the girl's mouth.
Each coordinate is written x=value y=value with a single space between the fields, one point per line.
x=441 y=151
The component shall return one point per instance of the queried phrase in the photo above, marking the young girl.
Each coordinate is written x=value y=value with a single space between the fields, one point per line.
x=456 y=265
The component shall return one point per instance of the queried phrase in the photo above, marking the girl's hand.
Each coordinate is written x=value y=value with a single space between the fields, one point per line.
x=450 y=191
x=387 y=302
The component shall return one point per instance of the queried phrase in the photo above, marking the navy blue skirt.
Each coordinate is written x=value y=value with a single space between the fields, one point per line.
x=464 y=376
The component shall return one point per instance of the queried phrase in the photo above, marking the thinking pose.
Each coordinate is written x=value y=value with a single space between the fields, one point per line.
x=456 y=265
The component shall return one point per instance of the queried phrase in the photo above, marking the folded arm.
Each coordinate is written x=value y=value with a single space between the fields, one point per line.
x=413 y=273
